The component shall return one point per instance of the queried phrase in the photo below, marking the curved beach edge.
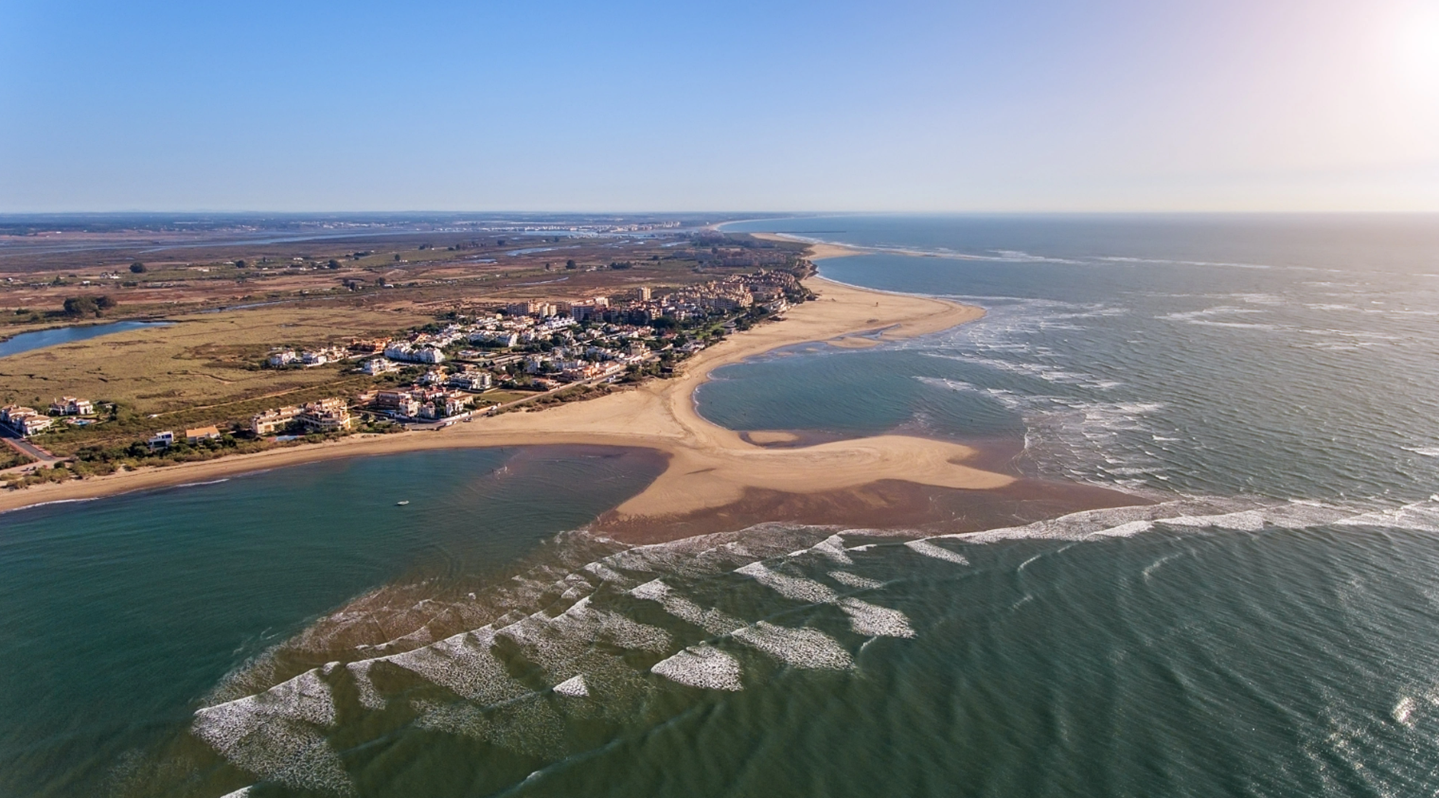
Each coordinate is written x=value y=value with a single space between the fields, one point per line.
x=709 y=466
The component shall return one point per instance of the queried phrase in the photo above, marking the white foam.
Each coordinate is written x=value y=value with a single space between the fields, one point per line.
x=200 y=484
x=701 y=666
x=1260 y=299
x=47 y=504
x=930 y=550
x=464 y=664
x=272 y=734
x=573 y=687
x=791 y=587
x=1420 y=516
x=832 y=547
x=854 y=580
x=370 y=697
x=1040 y=371
x=867 y=619
x=1198 y=512
x=653 y=590
x=528 y=725
x=1148 y=572
x=802 y=648
x=700 y=555
x=1424 y=451
x=1124 y=530
x=1020 y=256
x=1166 y=261
x=1403 y=711
x=1080 y=525
x=584 y=623
x=738 y=550
x=1245 y=520
x=305 y=697
x=243 y=792
x=605 y=573
x=711 y=620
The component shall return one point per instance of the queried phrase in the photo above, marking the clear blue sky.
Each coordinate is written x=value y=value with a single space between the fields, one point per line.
x=775 y=105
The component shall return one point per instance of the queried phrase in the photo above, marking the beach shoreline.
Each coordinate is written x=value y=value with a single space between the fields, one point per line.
x=709 y=466
x=818 y=250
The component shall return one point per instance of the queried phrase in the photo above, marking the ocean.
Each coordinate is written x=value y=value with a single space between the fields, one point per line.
x=1265 y=623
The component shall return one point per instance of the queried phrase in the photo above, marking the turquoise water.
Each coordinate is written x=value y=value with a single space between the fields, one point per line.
x=120 y=614
x=24 y=342
x=1267 y=626
x=1291 y=357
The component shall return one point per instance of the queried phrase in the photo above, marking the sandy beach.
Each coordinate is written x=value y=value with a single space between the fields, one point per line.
x=817 y=251
x=709 y=466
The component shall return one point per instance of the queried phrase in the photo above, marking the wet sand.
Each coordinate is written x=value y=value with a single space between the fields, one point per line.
x=709 y=466
x=747 y=477
x=816 y=251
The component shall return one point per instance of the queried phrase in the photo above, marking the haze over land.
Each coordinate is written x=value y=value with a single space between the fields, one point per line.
x=788 y=398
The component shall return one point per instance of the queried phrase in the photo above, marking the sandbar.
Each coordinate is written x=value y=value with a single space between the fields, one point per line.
x=709 y=466
x=769 y=436
x=817 y=250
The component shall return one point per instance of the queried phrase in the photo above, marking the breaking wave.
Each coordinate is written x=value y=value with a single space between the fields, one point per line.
x=594 y=630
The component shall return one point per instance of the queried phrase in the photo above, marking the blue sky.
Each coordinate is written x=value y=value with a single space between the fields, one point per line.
x=766 y=106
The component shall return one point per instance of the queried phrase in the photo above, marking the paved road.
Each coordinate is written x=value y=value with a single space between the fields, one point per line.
x=442 y=423
x=42 y=458
x=27 y=448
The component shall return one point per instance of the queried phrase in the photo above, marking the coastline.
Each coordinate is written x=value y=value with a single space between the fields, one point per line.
x=709 y=467
x=817 y=250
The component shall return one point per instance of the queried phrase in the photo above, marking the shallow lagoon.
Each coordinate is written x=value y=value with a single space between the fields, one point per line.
x=40 y=339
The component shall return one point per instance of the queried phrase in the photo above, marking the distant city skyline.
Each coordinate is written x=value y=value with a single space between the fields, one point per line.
x=776 y=107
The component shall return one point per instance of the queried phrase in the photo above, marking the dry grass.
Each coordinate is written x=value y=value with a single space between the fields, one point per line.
x=204 y=359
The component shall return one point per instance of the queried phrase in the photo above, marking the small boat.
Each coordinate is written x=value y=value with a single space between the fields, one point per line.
x=402 y=503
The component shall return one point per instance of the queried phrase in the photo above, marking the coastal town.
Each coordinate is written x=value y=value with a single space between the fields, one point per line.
x=488 y=359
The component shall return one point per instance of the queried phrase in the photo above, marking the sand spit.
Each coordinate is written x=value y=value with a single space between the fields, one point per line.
x=709 y=466
x=817 y=251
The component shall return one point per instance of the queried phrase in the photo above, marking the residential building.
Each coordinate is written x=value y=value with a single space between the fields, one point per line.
x=24 y=420
x=397 y=403
x=284 y=357
x=502 y=338
x=471 y=380
x=70 y=406
x=455 y=405
x=161 y=440
x=368 y=346
x=414 y=354
x=202 y=434
x=273 y=421
x=326 y=415
x=379 y=365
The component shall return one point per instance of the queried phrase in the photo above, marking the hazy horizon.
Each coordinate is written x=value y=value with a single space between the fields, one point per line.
x=794 y=107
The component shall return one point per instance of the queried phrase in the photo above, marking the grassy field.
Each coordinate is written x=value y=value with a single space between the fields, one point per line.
x=206 y=368
x=10 y=458
x=203 y=360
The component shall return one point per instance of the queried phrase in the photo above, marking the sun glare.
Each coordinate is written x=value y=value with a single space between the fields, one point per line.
x=1417 y=46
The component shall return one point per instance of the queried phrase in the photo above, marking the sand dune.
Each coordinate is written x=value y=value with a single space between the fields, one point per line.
x=709 y=467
